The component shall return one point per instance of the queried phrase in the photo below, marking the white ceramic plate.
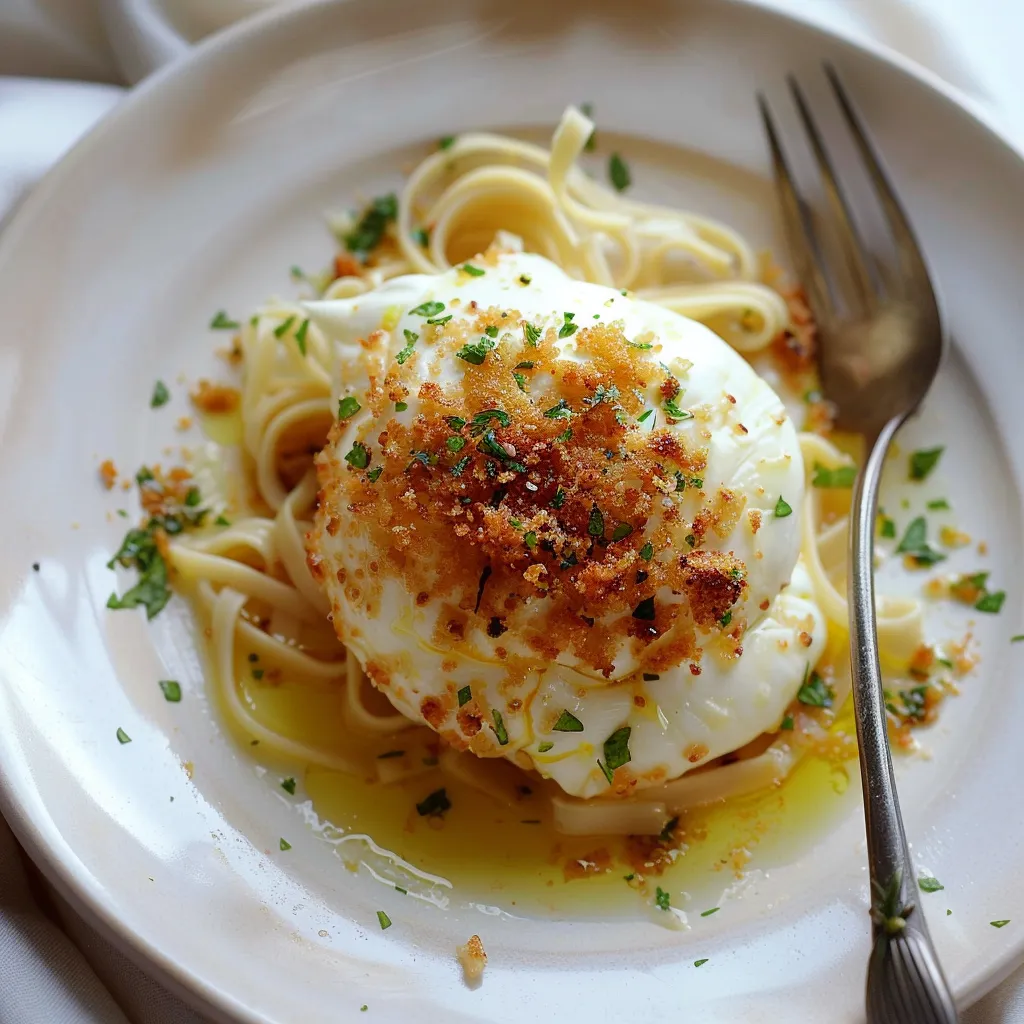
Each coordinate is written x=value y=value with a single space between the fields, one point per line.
x=197 y=194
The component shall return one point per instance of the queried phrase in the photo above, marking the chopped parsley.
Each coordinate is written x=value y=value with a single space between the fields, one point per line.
x=526 y=364
x=783 y=508
x=374 y=475
x=532 y=333
x=455 y=422
x=525 y=279
x=411 y=337
x=284 y=844
x=401 y=406
x=300 y=335
x=565 y=435
x=701 y=962
x=139 y=551
x=841 y=476
x=662 y=899
x=999 y=924
x=171 y=690
x=647 y=551
x=815 y=692
x=499 y=728
x=567 y=722
x=348 y=407
x=725 y=619
x=434 y=804
x=568 y=328
x=460 y=467
x=366 y=235
x=545 y=747
x=561 y=411
x=222 y=521
x=283 y=327
x=559 y=499
x=616 y=748
x=938 y=505
x=923 y=461
x=595 y=526
x=674 y=412
x=645 y=610
x=787 y=723
x=587 y=110
x=483 y=418
x=122 y=736
x=915 y=544
x=465 y=695
x=358 y=456
x=440 y=321
x=473 y=271
x=708 y=913
x=447 y=142
x=643 y=346
x=622 y=531
x=930 y=884
x=530 y=539
x=456 y=443
x=618 y=173
x=887 y=528
x=991 y=603
x=644 y=415
x=1017 y=639
x=222 y=322
x=427 y=309
x=520 y=379
x=288 y=785
x=475 y=352
x=161 y=396
x=385 y=921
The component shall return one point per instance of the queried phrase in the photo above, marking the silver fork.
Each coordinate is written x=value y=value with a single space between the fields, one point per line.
x=880 y=344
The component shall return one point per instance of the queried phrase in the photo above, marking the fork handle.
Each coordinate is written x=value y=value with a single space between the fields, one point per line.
x=905 y=983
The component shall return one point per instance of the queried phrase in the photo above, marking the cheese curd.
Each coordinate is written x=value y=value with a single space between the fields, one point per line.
x=560 y=525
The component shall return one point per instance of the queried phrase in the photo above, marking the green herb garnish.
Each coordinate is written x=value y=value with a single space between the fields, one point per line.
x=915 y=544
x=622 y=531
x=465 y=695
x=284 y=844
x=455 y=444
x=662 y=899
x=930 y=884
x=434 y=805
x=616 y=748
x=520 y=379
x=385 y=921
x=568 y=328
x=923 y=461
x=283 y=327
x=595 y=526
x=499 y=728
x=561 y=411
x=787 y=722
x=122 y=736
x=161 y=396
x=532 y=334
x=701 y=962
x=411 y=337
x=288 y=785
x=999 y=924
x=358 y=456
x=366 y=235
x=782 y=508
x=171 y=690
x=222 y=322
x=348 y=407
x=427 y=309
x=401 y=406
x=476 y=352
x=708 y=913
x=815 y=692
x=938 y=505
x=567 y=722
x=647 y=551
x=841 y=476
x=618 y=173
x=473 y=271
x=674 y=412
x=374 y=475
x=991 y=603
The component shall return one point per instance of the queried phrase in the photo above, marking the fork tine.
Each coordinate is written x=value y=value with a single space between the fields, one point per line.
x=803 y=242
x=853 y=247
x=903 y=235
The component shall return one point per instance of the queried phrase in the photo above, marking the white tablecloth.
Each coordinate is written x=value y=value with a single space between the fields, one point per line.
x=64 y=61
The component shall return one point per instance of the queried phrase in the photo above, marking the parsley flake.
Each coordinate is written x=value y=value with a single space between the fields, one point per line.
x=465 y=695
x=782 y=508
x=411 y=337
x=171 y=690
x=532 y=333
x=938 y=505
x=647 y=551
x=499 y=728
x=662 y=899
x=644 y=415
x=815 y=692
x=701 y=962
x=567 y=722
x=440 y=321
x=595 y=526
x=991 y=603
x=999 y=924
x=520 y=379
x=283 y=327
x=401 y=406
x=559 y=499
x=923 y=461
x=476 y=352
x=561 y=411
x=455 y=444
x=616 y=748
x=367 y=234
x=284 y=844
x=545 y=747
x=434 y=804
x=358 y=456
x=915 y=544
x=674 y=412
x=288 y=785
x=787 y=723
x=930 y=884
x=473 y=271
x=618 y=173
x=841 y=476
x=161 y=396
x=348 y=407
x=622 y=531
x=568 y=328
x=122 y=736
x=222 y=322
x=384 y=920
x=427 y=309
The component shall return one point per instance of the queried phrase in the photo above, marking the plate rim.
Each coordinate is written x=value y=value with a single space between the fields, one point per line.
x=30 y=821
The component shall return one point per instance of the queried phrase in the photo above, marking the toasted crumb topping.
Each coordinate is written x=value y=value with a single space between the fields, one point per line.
x=473 y=959
x=108 y=474
x=215 y=398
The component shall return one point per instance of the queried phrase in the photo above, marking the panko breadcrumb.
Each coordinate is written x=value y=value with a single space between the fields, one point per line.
x=473 y=958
